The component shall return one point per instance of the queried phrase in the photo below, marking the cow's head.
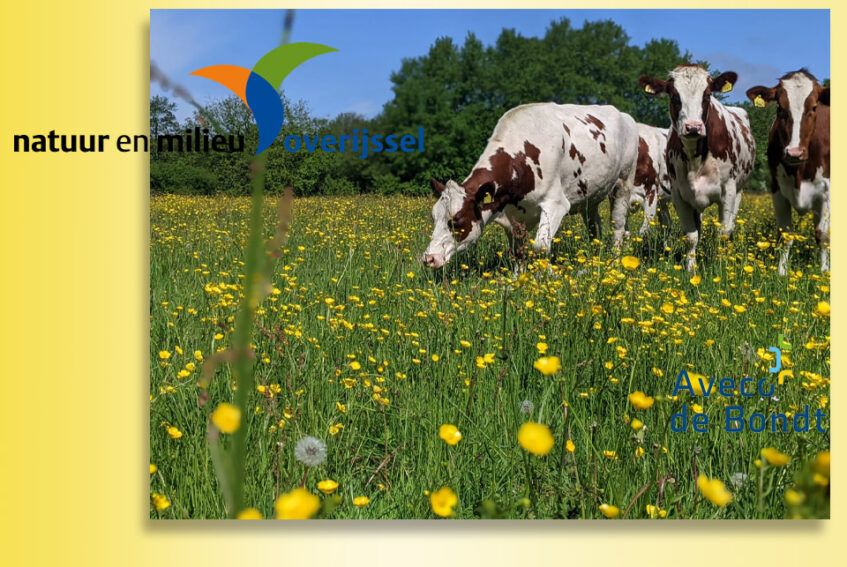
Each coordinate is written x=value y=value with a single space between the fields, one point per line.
x=690 y=89
x=797 y=96
x=458 y=218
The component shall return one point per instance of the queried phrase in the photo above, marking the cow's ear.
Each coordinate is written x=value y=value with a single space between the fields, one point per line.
x=761 y=96
x=485 y=196
x=823 y=96
x=652 y=85
x=724 y=82
x=437 y=186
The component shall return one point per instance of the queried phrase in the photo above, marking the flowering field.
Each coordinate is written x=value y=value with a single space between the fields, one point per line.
x=385 y=390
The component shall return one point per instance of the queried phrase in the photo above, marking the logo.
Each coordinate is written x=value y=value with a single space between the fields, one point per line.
x=259 y=88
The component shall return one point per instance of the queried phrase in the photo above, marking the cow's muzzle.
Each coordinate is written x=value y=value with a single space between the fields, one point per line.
x=693 y=129
x=433 y=260
x=796 y=155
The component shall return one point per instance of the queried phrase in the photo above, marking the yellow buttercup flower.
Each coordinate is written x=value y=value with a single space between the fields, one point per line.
x=153 y=468
x=640 y=400
x=714 y=490
x=361 y=501
x=636 y=424
x=570 y=446
x=299 y=504
x=822 y=309
x=542 y=348
x=821 y=464
x=548 y=365
x=450 y=434
x=654 y=511
x=227 y=418
x=160 y=501
x=794 y=497
x=639 y=452
x=535 y=438
x=173 y=432
x=695 y=280
x=774 y=457
x=443 y=501
x=355 y=365
x=164 y=354
x=249 y=514
x=696 y=381
x=327 y=486
x=610 y=511
x=630 y=262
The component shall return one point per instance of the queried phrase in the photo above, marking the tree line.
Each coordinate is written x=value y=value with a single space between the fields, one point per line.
x=456 y=92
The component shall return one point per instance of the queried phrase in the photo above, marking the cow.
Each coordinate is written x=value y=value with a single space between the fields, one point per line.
x=710 y=150
x=798 y=155
x=651 y=189
x=542 y=162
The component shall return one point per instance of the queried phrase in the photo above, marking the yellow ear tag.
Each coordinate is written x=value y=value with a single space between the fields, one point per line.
x=759 y=102
x=727 y=86
x=488 y=199
x=649 y=89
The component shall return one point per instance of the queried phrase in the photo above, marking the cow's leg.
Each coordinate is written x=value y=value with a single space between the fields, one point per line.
x=729 y=208
x=619 y=212
x=689 y=219
x=664 y=214
x=593 y=221
x=550 y=220
x=782 y=211
x=649 y=205
x=822 y=232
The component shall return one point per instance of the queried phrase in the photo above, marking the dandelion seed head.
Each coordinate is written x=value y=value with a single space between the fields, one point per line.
x=310 y=451
x=527 y=406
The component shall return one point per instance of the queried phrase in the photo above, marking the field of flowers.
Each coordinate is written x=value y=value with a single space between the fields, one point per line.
x=385 y=390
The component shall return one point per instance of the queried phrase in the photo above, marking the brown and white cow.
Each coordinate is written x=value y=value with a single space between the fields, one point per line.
x=542 y=162
x=651 y=184
x=710 y=149
x=798 y=155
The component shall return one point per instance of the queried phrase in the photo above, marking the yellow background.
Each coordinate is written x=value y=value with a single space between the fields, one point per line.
x=74 y=325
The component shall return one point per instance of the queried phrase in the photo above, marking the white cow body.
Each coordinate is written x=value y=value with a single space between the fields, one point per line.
x=710 y=151
x=542 y=162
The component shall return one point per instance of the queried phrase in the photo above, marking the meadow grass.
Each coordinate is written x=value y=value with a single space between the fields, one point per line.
x=363 y=347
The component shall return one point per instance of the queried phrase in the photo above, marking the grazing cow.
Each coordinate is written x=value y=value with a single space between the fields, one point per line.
x=651 y=185
x=798 y=155
x=542 y=162
x=710 y=150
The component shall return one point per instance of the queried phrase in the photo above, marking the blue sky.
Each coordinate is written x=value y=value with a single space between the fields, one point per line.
x=760 y=45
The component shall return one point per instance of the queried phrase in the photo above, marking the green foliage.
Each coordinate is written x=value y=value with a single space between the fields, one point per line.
x=760 y=122
x=181 y=178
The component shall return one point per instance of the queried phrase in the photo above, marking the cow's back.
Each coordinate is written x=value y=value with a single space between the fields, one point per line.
x=586 y=148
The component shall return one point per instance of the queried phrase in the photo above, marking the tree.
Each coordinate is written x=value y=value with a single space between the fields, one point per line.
x=162 y=117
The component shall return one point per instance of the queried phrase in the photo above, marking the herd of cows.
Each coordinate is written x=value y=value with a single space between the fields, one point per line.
x=547 y=160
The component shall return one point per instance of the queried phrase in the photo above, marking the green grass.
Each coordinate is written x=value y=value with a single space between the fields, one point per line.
x=360 y=252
